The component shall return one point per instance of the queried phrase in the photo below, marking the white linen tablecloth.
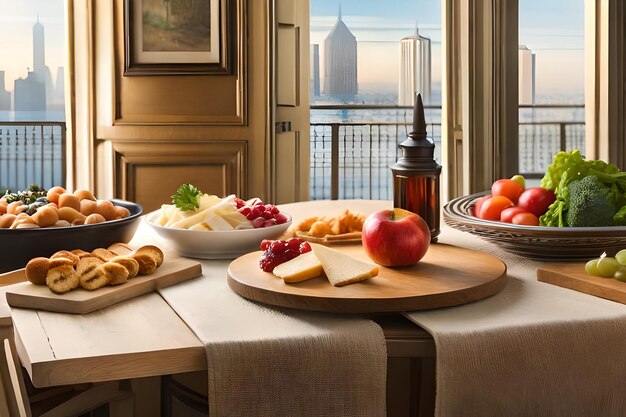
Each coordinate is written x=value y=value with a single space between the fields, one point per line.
x=266 y=361
x=534 y=349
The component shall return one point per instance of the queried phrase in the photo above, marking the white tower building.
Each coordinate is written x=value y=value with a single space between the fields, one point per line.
x=526 y=78
x=340 y=61
x=415 y=58
x=315 y=70
x=39 y=47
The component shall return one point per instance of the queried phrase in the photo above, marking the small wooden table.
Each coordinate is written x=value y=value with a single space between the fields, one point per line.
x=145 y=337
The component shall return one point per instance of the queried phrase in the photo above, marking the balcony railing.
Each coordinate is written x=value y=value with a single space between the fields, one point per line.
x=31 y=152
x=351 y=159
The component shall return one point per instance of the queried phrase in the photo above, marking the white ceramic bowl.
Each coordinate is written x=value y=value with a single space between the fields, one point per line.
x=224 y=244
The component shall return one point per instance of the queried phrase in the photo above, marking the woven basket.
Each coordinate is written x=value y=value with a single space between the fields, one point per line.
x=536 y=242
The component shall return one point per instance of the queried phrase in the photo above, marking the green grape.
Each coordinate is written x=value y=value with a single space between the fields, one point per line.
x=592 y=267
x=607 y=266
x=620 y=275
x=621 y=257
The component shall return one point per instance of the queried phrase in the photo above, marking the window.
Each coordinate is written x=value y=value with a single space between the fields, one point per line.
x=32 y=90
x=368 y=59
x=551 y=81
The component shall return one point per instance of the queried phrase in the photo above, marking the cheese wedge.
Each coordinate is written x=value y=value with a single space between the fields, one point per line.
x=300 y=268
x=342 y=269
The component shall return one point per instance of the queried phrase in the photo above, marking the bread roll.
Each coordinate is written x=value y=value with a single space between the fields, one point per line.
x=36 y=270
x=121 y=212
x=62 y=223
x=67 y=255
x=54 y=193
x=121 y=249
x=94 y=279
x=81 y=253
x=88 y=264
x=88 y=207
x=153 y=251
x=131 y=265
x=95 y=218
x=106 y=209
x=103 y=254
x=62 y=279
x=84 y=195
x=16 y=207
x=6 y=220
x=70 y=214
x=46 y=216
x=69 y=200
x=147 y=264
x=115 y=272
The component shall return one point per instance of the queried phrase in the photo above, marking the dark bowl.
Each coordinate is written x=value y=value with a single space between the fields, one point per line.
x=536 y=242
x=18 y=246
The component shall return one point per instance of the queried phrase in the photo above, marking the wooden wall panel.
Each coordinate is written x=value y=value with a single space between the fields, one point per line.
x=158 y=99
x=150 y=173
x=215 y=127
x=288 y=170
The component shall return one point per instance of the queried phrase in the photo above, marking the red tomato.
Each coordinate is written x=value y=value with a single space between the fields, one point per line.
x=536 y=200
x=478 y=205
x=526 y=218
x=507 y=188
x=508 y=213
x=492 y=207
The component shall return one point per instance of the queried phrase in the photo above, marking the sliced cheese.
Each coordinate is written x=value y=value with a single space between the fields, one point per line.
x=342 y=269
x=300 y=268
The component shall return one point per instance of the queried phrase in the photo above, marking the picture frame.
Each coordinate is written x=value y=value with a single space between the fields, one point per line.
x=178 y=37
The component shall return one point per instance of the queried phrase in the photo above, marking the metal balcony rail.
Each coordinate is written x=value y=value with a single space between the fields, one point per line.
x=32 y=153
x=351 y=159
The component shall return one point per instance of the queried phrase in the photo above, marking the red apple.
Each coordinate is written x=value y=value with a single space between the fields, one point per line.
x=395 y=237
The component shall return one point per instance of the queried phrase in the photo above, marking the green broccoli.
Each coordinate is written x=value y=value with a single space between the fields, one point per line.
x=591 y=203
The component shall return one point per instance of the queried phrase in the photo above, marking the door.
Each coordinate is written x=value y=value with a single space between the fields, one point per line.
x=289 y=144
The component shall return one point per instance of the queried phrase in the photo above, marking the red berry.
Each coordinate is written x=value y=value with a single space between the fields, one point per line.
x=266 y=244
x=250 y=216
x=258 y=222
x=269 y=222
x=245 y=210
x=280 y=218
x=305 y=247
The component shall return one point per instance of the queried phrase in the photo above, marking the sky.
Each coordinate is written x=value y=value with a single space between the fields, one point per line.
x=17 y=18
x=552 y=29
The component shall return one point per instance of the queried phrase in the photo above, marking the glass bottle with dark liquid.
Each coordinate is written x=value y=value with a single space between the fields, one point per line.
x=416 y=174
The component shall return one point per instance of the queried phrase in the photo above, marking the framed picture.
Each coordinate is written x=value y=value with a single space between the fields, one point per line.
x=178 y=37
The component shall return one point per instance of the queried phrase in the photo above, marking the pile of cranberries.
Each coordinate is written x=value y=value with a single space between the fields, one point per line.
x=276 y=252
x=259 y=214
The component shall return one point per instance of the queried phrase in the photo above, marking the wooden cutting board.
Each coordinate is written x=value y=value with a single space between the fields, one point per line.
x=573 y=276
x=446 y=276
x=80 y=301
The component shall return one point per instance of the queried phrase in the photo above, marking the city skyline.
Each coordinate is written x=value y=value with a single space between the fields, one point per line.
x=16 y=25
x=553 y=29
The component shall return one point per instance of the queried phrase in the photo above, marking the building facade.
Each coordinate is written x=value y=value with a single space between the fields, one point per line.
x=526 y=78
x=340 y=61
x=415 y=69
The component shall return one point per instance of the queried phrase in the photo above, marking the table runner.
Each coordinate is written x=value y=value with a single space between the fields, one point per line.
x=534 y=349
x=270 y=362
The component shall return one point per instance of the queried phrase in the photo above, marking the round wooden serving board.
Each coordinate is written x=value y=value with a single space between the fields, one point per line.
x=446 y=276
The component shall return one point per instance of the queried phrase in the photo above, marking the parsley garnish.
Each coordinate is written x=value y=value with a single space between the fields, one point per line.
x=187 y=197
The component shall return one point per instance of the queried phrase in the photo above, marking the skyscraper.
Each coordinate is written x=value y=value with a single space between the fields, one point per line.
x=39 y=48
x=315 y=70
x=5 y=96
x=340 y=61
x=526 y=78
x=414 y=69
x=29 y=94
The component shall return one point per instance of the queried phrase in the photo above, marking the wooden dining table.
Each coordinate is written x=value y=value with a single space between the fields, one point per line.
x=144 y=337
